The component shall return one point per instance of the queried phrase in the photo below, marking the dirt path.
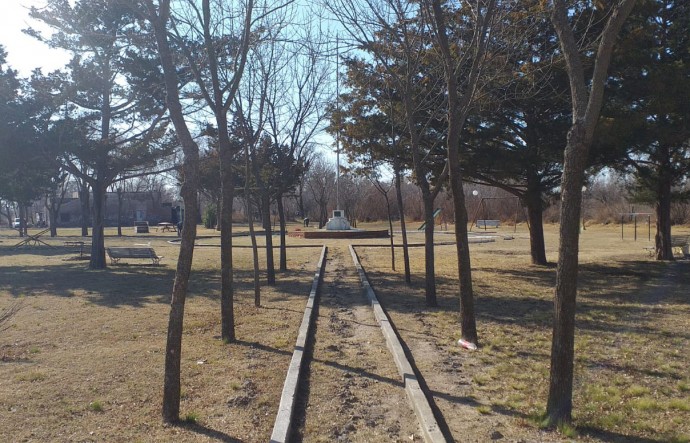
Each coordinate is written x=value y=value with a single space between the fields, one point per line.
x=354 y=391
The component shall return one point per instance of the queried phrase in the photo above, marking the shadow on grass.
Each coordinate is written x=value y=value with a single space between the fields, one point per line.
x=132 y=285
x=207 y=432
x=615 y=437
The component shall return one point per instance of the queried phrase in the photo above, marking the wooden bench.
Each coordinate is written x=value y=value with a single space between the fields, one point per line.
x=681 y=243
x=488 y=223
x=77 y=244
x=141 y=227
x=116 y=254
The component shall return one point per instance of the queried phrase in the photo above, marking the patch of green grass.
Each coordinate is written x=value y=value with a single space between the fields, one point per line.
x=567 y=430
x=611 y=420
x=96 y=406
x=235 y=385
x=484 y=409
x=645 y=404
x=32 y=376
x=679 y=404
x=684 y=386
x=191 y=417
x=481 y=379
x=680 y=439
x=34 y=350
x=637 y=391
x=281 y=343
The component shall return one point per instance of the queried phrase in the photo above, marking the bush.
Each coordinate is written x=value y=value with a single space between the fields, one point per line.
x=210 y=217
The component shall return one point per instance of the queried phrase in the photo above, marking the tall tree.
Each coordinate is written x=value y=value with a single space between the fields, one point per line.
x=462 y=69
x=28 y=165
x=158 y=15
x=397 y=37
x=215 y=37
x=587 y=97
x=513 y=140
x=115 y=95
x=647 y=113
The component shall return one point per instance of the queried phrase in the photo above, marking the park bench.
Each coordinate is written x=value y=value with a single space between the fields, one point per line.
x=77 y=244
x=679 y=245
x=116 y=254
x=488 y=223
x=681 y=242
x=141 y=227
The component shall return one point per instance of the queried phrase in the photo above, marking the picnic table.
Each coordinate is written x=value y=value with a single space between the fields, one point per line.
x=163 y=227
x=78 y=244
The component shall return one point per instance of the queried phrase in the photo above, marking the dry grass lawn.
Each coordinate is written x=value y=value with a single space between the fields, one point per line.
x=632 y=341
x=82 y=360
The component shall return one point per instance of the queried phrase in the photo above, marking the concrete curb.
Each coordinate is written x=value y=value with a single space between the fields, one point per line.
x=283 y=423
x=430 y=430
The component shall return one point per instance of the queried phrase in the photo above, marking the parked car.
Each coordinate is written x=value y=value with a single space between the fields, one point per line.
x=17 y=223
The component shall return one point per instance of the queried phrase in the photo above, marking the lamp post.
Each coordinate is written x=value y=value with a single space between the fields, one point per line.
x=119 y=211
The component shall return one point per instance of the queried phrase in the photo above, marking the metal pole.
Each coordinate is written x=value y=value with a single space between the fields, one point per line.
x=337 y=136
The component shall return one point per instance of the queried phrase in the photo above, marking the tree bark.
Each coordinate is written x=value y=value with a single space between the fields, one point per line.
x=190 y=167
x=662 y=239
x=97 y=260
x=587 y=98
x=429 y=258
x=85 y=207
x=283 y=246
x=535 y=211
x=268 y=232
x=401 y=213
x=227 y=311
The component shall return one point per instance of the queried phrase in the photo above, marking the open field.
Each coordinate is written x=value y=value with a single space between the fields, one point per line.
x=82 y=360
x=632 y=344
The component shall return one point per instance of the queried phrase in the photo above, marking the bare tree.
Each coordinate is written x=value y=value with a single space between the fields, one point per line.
x=159 y=15
x=320 y=181
x=395 y=34
x=215 y=37
x=587 y=98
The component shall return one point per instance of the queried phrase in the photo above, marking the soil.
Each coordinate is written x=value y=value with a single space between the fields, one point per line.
x=354 y=390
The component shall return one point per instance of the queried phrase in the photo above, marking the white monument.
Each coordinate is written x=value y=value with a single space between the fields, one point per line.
x=337 y=222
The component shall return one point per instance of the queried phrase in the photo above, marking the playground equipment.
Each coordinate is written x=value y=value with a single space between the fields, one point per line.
x=436 y=213
x=633 y=216
x=484 y=222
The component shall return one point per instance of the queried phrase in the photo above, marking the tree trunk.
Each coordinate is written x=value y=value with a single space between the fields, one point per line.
x=283 y=246
x=401 y=212
x=97 y=231
x=560 y=402
x=52 y=217
x=227 y=312
x=429 y=265
x=390 y=228
x=255 y=249
x=119 y=214
x=173 y=349
x=270 y=265
x=662 y=239
x=536 y=227
x=468 y=323
x=85 y=208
